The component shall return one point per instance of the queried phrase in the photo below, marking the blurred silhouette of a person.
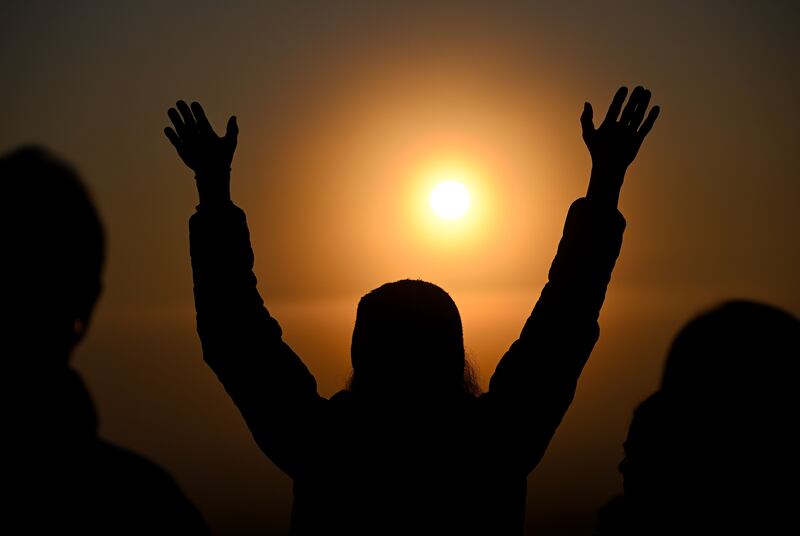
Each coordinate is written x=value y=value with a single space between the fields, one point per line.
x=714 y=450
x=408 y=447
x=59 y=476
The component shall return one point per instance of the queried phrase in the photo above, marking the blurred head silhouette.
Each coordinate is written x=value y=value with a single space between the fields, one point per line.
x=714 y=442
x=53 y=250
x=409 y=323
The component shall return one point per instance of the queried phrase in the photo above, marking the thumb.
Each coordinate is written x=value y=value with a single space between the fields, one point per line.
x=586 y=119
x=232 y=130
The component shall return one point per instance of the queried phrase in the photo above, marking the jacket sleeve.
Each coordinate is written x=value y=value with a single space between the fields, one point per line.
x=535 y=381
x=274 y=391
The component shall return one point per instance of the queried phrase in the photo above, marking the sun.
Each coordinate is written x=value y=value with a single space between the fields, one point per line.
x=450 y=199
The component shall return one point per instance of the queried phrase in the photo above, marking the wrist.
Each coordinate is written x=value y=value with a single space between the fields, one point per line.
x=608 y=173
x=605 y=184
x=214 y=189
x=213 y=173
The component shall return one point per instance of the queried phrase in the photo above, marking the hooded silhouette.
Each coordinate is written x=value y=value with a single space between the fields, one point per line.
x=58 y=474
x=712 y=450
x=401 y=453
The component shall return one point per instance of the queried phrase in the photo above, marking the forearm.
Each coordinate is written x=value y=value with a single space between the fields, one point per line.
x=536 y=379
x=567 y=310
x=587 y=253
x=241 y=341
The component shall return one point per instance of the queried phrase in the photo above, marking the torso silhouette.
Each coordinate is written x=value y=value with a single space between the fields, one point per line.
x=59 y=476
x=63 y=478
x=713 y=450
x=403 y=464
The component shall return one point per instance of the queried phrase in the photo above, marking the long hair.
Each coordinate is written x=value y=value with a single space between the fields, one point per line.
x=410 y=325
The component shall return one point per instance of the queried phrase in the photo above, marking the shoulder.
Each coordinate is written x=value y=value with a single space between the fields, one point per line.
x=122 y=461
x=140 y=485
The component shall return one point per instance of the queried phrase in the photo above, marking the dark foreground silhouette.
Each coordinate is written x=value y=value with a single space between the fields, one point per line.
x=714 y=450
x=59 y=477
x=409 y=448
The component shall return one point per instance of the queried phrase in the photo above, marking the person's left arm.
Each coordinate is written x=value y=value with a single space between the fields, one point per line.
x=535 y=381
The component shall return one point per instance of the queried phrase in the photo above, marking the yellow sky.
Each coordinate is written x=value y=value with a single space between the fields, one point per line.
x=344 y=108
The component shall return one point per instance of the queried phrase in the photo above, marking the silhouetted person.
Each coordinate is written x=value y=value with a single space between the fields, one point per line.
x=409 y=448
x=58 y=476
x=713 y=451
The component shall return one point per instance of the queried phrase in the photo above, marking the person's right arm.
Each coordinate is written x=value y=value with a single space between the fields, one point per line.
x=242 y=343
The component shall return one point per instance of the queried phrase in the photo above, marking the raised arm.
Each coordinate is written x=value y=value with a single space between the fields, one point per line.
x=535 y=381
x=241 y=342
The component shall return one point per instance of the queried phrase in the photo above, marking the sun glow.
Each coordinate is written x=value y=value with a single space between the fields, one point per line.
x=450 y=205
x=450 y=199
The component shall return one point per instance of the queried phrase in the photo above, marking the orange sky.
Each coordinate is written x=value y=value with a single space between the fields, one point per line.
x=342 y=108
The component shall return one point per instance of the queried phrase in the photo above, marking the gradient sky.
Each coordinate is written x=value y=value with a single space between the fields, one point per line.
x=344 y=108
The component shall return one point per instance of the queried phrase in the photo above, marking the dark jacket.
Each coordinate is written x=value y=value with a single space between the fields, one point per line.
x=359 y=468
x=61 y=478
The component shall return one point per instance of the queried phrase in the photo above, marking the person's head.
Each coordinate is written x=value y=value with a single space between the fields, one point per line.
x=409 y=325
x=53 y=251
x=719 y=428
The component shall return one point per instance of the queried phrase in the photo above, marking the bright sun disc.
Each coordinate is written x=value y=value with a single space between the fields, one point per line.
x=450 y=200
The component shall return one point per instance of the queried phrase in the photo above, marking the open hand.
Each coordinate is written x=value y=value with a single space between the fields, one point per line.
x=615 y=143
x=207 y=154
